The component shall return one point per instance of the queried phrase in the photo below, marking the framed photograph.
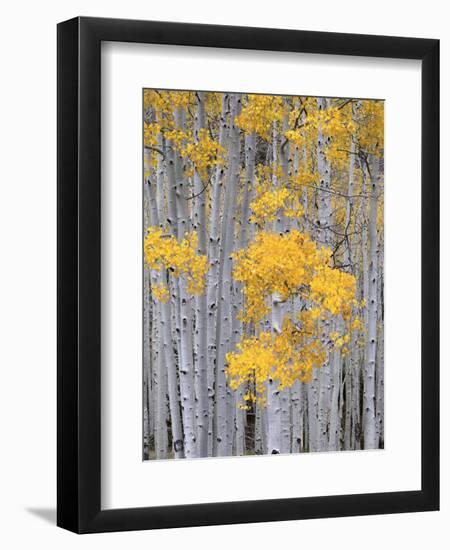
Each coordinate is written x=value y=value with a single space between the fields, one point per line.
x=248 y=266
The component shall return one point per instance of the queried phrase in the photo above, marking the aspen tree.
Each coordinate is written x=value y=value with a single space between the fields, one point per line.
x=214 y=264
x=324 y=237
x=223 y=324
x=369 y=371
x=199 y=225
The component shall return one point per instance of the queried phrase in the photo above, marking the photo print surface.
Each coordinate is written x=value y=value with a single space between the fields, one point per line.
x=263 y=265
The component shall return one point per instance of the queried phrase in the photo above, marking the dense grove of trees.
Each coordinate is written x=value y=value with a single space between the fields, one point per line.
x=263 y=274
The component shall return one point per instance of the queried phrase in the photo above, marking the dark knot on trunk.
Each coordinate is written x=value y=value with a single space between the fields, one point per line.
x=178 y=445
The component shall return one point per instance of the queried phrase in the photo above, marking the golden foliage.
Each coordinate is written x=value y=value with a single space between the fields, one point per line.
x=287 y=266
x=181 y=259
x=161 y=292
x=165 y=103
x=204 y=153
x=260 y=113
x=370 y=130
x=286 y=357
x=341 y=124
x=266 y=206
x=151 y=132
x=283 y=358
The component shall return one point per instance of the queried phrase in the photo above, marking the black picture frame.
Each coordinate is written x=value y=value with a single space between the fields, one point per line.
x=79 y=281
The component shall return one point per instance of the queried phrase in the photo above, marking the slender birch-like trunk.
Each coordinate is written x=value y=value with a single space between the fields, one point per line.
x=297 y=409
x=186 y=370
x=305 y=191
x=199 y=225
x=161 y=440
x=370 y=441
x=166 y=318
x=297 y=417
x=147 y=358
x=176 y=426
x=178 y=190
x=355 y=437
x=147 y=321
x=379 y=373
x=153 y=344
x=324 y=224
x=259 y=443
x=365 y=271
x=285 y=395
x=304 y=419
x=238 y=299
x=334 y=429
x=274 y=409
x=223 y=324
x=213 y=272
x=349 y=266
x=273 y=393
x=354 y=361
x=324 y=169
x=313 y=412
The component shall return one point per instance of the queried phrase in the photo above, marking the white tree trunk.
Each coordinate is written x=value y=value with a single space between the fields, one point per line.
x=199 y=225
x=186 y=369
x=324 y=239
x=350 y=267
x=297 y=417
x=179 y=220
x=370 y=440
x=273 y=393
x=153 y=342
x=238 y=302
x=334 y=431
x=213 y=272
x=223 y=325
x=177 y=429
x=166 y=317
x=355 y=438
x=161 y=439
x=379 y=374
